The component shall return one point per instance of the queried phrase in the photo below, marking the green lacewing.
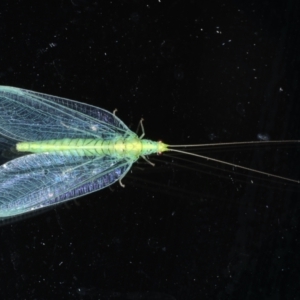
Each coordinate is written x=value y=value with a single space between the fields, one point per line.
x=71 y=149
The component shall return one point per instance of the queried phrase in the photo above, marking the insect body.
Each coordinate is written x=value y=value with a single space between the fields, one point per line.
x=130 y=148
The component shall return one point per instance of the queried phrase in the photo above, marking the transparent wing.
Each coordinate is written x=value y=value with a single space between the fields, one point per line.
x=29 y=116
x=39 y=180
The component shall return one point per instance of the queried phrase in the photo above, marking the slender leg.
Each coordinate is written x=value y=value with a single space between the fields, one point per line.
x=142 y=127
x=148 y=161
x=120 y=182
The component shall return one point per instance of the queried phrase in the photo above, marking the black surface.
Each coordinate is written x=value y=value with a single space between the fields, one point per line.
x=197 y=72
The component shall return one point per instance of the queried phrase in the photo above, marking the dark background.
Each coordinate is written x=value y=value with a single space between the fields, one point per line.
x=197 y=72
